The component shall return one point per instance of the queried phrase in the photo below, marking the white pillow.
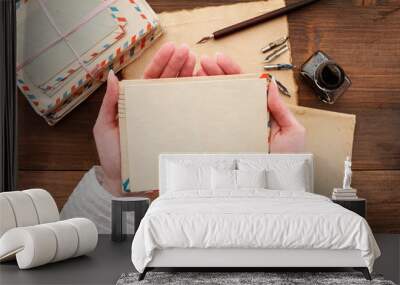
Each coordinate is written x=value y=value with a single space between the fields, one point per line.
x=223 y=179
x=282 y=174
x=188 y=177
x=236 y=179
x=186 y=174
x=293 y=180
x=251 y=178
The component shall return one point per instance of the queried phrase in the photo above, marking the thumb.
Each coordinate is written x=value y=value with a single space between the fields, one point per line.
x=108 y=110
x=279 y=111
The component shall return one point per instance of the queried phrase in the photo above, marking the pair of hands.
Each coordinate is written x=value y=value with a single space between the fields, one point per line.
x=287 y=134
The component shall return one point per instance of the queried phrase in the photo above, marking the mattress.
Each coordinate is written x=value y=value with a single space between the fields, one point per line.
x=251 y=219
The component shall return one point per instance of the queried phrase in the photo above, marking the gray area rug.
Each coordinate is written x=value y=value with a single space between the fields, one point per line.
x=268 y=278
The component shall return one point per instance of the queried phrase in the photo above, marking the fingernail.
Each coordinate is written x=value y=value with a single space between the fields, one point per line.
x=111 y=74
x=273 y=81
x=218 y=53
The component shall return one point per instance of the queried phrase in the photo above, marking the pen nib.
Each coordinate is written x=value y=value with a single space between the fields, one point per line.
x=205 y=39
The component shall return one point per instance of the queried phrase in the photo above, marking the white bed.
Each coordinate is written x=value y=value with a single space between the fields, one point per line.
x=248 y=227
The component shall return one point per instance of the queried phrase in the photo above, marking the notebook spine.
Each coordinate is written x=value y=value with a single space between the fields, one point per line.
x=125 y=184
x=121 y=101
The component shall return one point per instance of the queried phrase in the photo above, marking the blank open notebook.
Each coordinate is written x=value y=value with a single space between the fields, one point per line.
x=221 y=114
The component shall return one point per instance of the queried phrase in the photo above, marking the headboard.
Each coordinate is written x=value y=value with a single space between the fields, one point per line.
x=164 y=159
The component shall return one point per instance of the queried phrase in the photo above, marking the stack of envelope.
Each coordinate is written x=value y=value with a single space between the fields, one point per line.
x=66 y=48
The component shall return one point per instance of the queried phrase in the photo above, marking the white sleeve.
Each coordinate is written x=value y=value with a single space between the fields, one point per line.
x=90 y=200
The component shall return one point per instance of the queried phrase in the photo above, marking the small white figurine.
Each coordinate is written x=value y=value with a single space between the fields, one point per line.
x=347 y=174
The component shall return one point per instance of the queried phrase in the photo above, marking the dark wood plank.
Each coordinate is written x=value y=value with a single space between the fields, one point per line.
x=381 y=189
x=174 y=5
x=60 y=184
x=69 y=145
x=365 y=40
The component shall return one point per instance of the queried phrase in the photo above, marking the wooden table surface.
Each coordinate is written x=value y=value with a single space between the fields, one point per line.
x=361 y=35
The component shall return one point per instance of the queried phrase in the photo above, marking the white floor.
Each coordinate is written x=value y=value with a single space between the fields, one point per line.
x=389 y=262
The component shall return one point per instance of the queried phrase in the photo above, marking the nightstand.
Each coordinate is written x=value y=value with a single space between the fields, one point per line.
x=120 y=207
x=358 y=206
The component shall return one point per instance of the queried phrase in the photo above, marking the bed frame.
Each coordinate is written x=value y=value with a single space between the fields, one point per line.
x=246 y=259
x=249 y=259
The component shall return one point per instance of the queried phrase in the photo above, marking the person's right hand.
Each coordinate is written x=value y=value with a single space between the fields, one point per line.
x=287 y=134
x=171 y=61
x=220 y=64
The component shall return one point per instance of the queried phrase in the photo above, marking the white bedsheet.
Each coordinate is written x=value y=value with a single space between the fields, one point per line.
x=250 y=218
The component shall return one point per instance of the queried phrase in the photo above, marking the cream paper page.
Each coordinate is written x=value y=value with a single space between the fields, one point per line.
x=209 y=116
x=329 y=136
x=188 y=26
